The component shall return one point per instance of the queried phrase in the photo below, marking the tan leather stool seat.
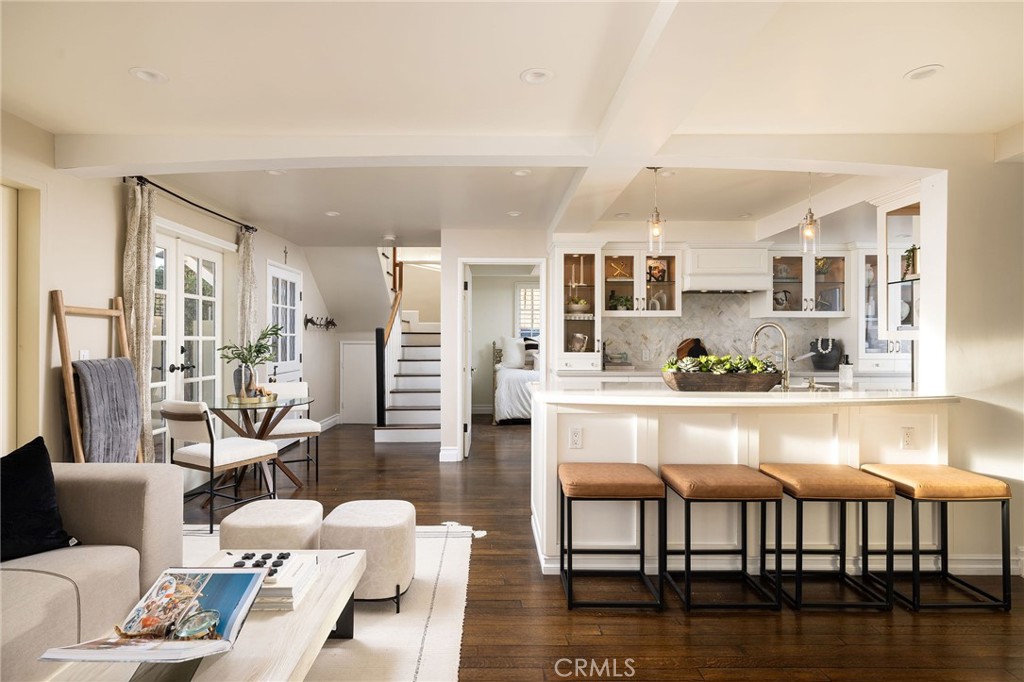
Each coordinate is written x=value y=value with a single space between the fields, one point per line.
x=829 y=482
x=720 y=482
x=939 y=482
x=610 y=480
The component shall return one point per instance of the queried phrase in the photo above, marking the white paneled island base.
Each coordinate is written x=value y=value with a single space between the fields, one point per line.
x=650 y=424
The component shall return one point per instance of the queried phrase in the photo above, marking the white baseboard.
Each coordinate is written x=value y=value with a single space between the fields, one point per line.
x=450 y=454
x=483 y=409
x=330 y=422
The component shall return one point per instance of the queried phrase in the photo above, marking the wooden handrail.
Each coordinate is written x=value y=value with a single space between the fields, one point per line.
x=383 y=334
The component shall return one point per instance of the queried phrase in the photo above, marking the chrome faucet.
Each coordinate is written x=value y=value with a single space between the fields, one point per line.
x=785 y=350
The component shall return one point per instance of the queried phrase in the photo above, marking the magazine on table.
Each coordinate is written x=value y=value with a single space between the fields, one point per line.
x=188 y=613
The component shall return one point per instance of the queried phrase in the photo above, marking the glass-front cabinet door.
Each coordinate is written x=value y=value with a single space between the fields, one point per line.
x=806 y=285
x=579 y=289
x=899 y=233
x=638 y=283
x=876 y=353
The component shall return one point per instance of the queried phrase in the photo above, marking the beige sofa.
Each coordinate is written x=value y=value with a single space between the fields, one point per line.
x=128 y=521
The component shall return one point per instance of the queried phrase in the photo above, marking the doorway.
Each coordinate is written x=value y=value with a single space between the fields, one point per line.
x=500 y=296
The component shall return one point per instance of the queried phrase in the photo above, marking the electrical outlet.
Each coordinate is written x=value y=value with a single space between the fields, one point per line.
x=575 y=437
x=645 y=354
x=83 y=354
x=907 y=438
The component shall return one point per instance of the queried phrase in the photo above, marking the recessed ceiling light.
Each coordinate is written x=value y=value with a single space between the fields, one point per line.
x=621 y=215
x=666 y=173
x=148 y=75
x=514 y=214
x=536 y=76
x=922 y=72
x=332 y=214
x=521 y=172
x=276 y=172
x=743 y=216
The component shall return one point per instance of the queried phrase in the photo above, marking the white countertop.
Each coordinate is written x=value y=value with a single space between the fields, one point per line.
x=657 y=393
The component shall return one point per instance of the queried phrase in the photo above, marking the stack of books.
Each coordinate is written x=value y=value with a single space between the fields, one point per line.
x=291 y=575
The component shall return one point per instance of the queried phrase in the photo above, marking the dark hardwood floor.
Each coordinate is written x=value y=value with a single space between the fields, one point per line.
x=517 y=626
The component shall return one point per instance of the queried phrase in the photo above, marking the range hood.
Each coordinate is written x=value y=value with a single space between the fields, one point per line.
x=723 y=268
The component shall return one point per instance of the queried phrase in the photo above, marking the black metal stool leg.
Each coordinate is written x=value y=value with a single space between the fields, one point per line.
x=1005 y=514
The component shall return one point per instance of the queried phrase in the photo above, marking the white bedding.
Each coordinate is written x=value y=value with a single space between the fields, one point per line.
x=511 y=396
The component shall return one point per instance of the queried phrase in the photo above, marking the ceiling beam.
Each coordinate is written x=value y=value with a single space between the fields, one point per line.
x=649 y=105
x=115 y=155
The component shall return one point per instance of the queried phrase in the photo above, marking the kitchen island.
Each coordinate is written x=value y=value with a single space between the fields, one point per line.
x=646 y=422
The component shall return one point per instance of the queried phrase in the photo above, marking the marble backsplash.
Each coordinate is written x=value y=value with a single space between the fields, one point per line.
x=720 y=320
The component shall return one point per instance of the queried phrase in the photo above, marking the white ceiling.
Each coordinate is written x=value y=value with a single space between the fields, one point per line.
x=408 y=117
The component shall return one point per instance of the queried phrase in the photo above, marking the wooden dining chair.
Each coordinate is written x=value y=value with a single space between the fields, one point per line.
x=190 y=422
x=300 y=427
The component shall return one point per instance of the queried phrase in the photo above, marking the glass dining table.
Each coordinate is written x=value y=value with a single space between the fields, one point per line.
x=257 y=420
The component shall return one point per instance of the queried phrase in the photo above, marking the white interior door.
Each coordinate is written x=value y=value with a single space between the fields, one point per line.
x=467 y=360
x=284 y=307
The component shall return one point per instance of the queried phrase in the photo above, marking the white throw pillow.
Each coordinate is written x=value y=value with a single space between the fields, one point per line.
x=513 y=352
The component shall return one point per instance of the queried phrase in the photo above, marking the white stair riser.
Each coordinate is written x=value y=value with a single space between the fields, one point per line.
x=426 y=367
x=422 y=353
x=416 y=400
x=421 y=339
x=407 y=436
x=417 y=382
x=414 y=416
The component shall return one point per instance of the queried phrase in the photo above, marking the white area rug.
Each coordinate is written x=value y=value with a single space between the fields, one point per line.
x=422 y=643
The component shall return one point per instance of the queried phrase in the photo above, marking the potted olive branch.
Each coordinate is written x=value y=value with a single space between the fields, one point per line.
x=248 y=356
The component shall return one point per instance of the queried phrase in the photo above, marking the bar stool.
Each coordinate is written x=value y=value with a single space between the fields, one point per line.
x=943 y=484
x=835 y=483
x=697 y=483
x=592 y=482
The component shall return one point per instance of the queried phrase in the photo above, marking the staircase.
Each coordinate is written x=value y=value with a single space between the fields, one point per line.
x=414 y=400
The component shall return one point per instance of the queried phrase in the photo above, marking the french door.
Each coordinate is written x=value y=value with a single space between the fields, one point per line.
x=186 y=326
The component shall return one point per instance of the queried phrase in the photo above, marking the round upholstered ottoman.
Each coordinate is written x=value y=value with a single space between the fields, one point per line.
x=386 y=529
x=273 y=524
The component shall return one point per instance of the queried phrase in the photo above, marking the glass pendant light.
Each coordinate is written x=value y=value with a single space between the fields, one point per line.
x=810 y=227
x=655 y=225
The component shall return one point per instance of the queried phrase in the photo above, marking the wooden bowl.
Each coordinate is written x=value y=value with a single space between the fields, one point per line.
x=706 y=381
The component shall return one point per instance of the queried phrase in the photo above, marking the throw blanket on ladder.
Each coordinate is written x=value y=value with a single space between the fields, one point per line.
x=110 y=409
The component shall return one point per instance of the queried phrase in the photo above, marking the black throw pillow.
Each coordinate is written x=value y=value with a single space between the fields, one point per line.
x=30 y=522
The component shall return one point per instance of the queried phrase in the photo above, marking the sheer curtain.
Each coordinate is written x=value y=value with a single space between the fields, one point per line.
x=246 y=286
x=138 y=301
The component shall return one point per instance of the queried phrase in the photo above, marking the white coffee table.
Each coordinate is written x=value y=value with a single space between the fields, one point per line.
x=273 y=645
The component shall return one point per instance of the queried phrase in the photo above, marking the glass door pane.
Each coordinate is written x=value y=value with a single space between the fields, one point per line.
x=661 y=283
x=578 y=288
x=787 y=283
x=830 y=284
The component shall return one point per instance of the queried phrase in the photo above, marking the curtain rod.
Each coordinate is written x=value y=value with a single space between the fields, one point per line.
x=143 y=180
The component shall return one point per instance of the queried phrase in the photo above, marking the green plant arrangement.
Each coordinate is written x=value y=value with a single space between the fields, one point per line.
x=620 y=303
x=822 y=266
x=256 y=352
x=577 y=300
x=720 y=373
x=910 y=261
x=721 y=364
x=248 y=356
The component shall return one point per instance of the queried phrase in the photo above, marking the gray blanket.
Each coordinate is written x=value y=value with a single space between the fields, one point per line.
x=109 y=409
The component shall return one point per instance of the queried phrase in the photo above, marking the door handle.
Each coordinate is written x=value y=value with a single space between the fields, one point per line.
x=180 y=368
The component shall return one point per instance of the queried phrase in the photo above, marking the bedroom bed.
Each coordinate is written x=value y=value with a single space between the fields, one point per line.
x=511 y=394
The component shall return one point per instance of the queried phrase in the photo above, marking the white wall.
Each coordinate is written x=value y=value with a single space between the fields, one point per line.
x=421 y=291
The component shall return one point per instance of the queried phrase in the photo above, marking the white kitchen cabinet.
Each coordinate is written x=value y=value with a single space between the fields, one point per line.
x=640 y=283
x=576 y=311
x=899 y=232
x=805 y=285
x=874 y=353
x=726 y=268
